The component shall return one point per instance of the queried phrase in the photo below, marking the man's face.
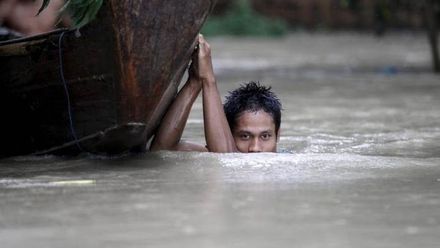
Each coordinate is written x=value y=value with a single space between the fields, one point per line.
x=255 y=132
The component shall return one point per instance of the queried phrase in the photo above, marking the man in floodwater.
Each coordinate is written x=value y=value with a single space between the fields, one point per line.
x=248 y=122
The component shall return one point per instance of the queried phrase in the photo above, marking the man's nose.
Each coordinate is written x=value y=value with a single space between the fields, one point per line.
x=255 y=145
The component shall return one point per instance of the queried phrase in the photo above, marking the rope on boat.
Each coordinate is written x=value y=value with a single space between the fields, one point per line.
x=66 y=91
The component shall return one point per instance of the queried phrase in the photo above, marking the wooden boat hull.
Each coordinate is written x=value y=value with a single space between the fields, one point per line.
x=121 y=74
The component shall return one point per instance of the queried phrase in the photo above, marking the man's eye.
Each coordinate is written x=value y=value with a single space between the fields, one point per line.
x=244 y=136
x=265 y=136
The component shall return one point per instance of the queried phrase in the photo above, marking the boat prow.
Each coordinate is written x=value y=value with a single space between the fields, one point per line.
x=103 y=91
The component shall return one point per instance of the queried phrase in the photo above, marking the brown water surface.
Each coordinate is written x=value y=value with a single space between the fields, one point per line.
x=359 y=162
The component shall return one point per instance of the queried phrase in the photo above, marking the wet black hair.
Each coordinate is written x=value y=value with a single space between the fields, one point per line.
x=252 y=97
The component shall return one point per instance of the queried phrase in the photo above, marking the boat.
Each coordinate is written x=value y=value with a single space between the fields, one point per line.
x=102 y=89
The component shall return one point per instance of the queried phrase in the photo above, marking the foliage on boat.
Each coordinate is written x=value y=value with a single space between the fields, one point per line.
x=81 y=11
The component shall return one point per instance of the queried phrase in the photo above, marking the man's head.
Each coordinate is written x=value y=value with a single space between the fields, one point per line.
x=254 y=116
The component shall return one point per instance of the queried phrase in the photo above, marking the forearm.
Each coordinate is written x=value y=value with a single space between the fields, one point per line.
x=217 y=131
x=171 y=128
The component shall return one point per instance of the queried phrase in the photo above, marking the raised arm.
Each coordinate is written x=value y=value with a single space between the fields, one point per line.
x=168 y=136
x=217 y=131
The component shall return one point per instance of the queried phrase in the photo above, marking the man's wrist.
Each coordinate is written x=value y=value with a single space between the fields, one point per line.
x=208 y=81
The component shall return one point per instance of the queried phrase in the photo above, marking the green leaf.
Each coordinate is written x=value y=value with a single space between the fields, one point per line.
x=83 y=11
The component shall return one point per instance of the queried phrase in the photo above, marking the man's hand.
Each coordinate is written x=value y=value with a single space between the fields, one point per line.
x=201 y=66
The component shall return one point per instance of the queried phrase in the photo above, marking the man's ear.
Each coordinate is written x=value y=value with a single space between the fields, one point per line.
x=278 y=134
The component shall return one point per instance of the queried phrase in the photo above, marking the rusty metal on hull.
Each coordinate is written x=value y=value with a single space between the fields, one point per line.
x=122 y=72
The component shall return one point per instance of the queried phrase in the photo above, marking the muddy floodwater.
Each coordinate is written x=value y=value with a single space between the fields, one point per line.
x=359 y=162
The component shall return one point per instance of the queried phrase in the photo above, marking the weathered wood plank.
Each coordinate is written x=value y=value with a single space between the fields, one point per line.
x=124 y=68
